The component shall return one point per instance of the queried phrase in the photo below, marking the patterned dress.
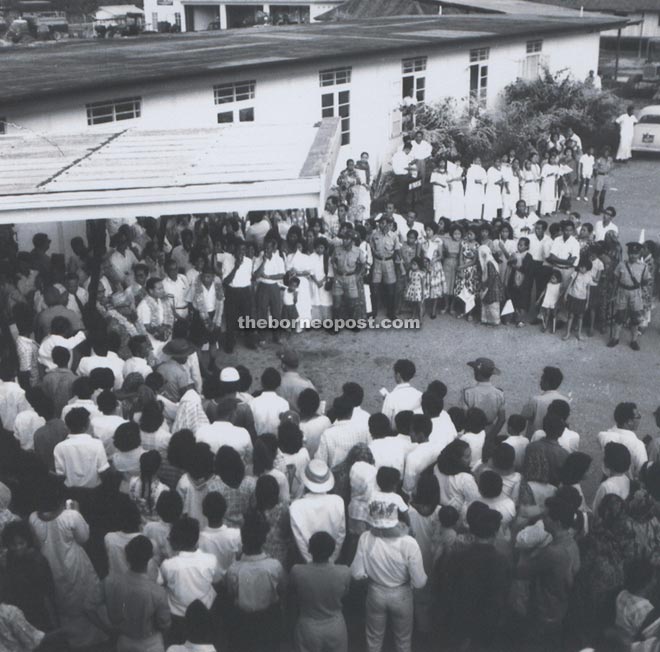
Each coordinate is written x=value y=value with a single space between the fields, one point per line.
x=469 y=277
x=435 y=275
x=450 y=253
x=415 y=287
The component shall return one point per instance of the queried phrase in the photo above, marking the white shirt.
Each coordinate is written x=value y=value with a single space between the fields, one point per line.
x=389 y=562
x=72 y=304
x=403 y=397
x=266 y=409
x=444 y=431
x=271 y=267
x=457 y=490
x=338 y=440
x=564 y=248
x=312 y=431
x=418 y=459
x=519 y=444
x=421 y=151
x=209 y=296
x=144 y=313
x=629 y=439
x=80 y=459
x=587 y=162
x=111 y=361
x=540 y=249
x=314 y=513
x=619 y=485
x=224 y=543
x=136 y=365
x=476 y=442
x=400 y=162
x=25 y=425
x=103 y=428
x=188 y=577
x=178 y=290
x=389 y=451
x=502 y=504
x=243 y=276
x=569 y=440
x=49 y=342
x=523 y=226
x=361 y=417
x=600 y=230
x=224 y=433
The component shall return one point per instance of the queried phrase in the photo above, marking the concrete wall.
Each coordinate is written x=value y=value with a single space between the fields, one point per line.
x=292 y=95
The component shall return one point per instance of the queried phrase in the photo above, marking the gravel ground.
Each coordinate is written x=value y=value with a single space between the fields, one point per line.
x=596 y=378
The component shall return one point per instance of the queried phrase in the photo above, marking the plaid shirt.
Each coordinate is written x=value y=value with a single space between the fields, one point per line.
x=238 y=500
x=338 y=440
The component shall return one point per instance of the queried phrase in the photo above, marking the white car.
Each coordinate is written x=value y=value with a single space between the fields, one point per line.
x=646 y=136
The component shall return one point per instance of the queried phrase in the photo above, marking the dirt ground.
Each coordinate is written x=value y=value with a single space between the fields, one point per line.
x=596 y=378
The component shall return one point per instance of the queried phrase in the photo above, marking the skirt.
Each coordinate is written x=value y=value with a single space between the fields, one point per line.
x=575 y=306
x=490 y=313
x=436 y=281
x=289 y=312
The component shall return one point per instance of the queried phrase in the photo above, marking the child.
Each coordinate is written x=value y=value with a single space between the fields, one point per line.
x=492 y=290
x=290 y=301
x=549 y=300
x=169 y=508
x=217 y=539
x=416 y=288
x=634 y=610
x=586 y=165
x=596 y=295
x=26 y=349
x=490 y=493
x=585 y=237
x=145 y=489
x=199 y=629
x=475 y=434
x=446 y=536
x=194 y=484
x=502 y=462
x=577 y=296
x=520 y=280
x=516 y=425
x=409 y=250
x=386 y=507
x=616 y=463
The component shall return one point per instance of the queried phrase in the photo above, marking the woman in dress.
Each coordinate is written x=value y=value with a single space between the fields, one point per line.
x=441 y=191
x=492 y=290
x=475 y=182
x=298 y=263
x=320 y=282
x=549 y=177
x=567 y=181
x=529 y=186
x=435 y=281
x=467 y=271
x=512 y=180
x=450 y=254
x=61 y=533
x=455 y=174
x=494 y=188
x=363 y=191
x=507 y=246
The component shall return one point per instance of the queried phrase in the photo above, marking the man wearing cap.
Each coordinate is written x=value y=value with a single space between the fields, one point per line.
x=484 y=395
x=228 y=406
x=177 y=378
x=318 y=511
x=631 y=276
x=606 y=224
x=347 y=264
x=292 y=382
x=385 y=246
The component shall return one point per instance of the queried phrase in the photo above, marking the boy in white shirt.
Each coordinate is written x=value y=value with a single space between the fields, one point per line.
x=387 y=508
x=223 y=542
x=516 y=425
x=586 y=164
x=616 y=462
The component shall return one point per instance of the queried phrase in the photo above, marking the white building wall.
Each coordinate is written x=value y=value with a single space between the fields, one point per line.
x=649 y=27
x=165 y=13
x=292 y=95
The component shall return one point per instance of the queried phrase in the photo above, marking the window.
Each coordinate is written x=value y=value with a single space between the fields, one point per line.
x=154 y=21
x=235 y=92
x=479 y=77
x=3 y=126
x=414 y=78
x=335 y=76
x=534 y=46
x=114 y=110
x=338 y=103
x=531 y=68
x=177 y=19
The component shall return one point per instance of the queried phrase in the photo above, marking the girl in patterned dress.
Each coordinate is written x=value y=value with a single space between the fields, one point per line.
x=467 y=272
x=416 y=289
x=435 y=276
x=450 y=255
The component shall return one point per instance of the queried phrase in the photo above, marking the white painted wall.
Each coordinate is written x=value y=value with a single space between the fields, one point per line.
x=165 y=12
x=292 y=95
x=650 y=26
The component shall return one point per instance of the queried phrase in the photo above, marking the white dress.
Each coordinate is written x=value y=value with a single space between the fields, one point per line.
x=475 y=192
x=493 y=197
x=510 y=199
x=321 y=298
x=301 y=263
x=456 y=192
x=549 y=175
x=441 y=194
x=626 y=130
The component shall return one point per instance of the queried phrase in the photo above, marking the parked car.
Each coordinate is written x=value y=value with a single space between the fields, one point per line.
x=646 y=137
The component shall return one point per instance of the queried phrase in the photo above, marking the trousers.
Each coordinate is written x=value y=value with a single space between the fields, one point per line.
x=394 y=605
x=328 y=635
x=152 y=643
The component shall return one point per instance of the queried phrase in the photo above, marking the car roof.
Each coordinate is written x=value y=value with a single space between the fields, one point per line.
x=654 y=109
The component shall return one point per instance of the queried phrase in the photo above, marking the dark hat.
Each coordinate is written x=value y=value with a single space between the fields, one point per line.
x=178 y=347
x=130 y=386
x=484 y=366
x=634 y=248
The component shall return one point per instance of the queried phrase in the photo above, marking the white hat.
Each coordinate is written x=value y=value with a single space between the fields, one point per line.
x=229 y=375
x=318 y=477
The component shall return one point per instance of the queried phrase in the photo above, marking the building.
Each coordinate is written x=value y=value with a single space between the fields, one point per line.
x=53 y=186
x=202 y=15
x=359 y=72
x=362 y=9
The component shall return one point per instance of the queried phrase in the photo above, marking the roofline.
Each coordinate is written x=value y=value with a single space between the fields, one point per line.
x=607 y=23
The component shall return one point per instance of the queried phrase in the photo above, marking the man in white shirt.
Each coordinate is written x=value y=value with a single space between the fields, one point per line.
x=344 y=433
x=401 y=161
x=60 y=329
x=317 y=511
x=267 y=407
x=12 y=398
x=121 y=260
x=604 y=225
x=421 y=151
x=573 y=140
x=443 y=430
x=269 y=272
x=523 y=221
x=404 y=396
x=355 y=395
x=540 y=244
x=565 y=252
x=80 y=458
x=626 y=417
x=238 y=298
x=537 y=406
x=177 y=288
x=140 y=348
x=104 y=356
x=422 y=455
x=77 y=297
x=223 y=433
x=103 y=426
x=156 y=315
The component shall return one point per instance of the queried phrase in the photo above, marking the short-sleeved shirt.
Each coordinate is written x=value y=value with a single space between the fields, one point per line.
x=345 y=261
x=639 y=274
x=384 y=245
x=255 y=582
x=80 y=459
x=562 y=249
x=486 y=397
x=320 y=589
x=384 y=508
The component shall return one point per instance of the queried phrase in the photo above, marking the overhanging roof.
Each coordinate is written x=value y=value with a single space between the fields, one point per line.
x=165 y=172
x=540 y=8
x=97 y=64
x=354 y=9
x=630 y=6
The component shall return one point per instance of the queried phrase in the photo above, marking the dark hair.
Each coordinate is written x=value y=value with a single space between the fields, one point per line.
x=574 y=468
x=342 y=407
x=127 y=514
x=388 y=478
x=154 y=381
x=405 y=368
x=504 y=457
x=448 y=516
x=184 y=534
x=152 y=283
x=77 y=420
x=403 y=421
x=321 y=546
x=516 y=423
x=432 y=404
x=552 y=377
x=483 y=521
x=136 y=343
x=102 y=378
x=438 y=388
x=180 y=447
x=560 y=510
x=266 y=493
x=354 y=393
x=214 y=506
x=229 y=466
x=475 y=420
x=60 y=326
x=616 y=457
x=560 y=408
x=553 y=426
x=254 y=533
x=82 y=388
x=490 y=484
x=421 y=425
x=308 y=402
x=289 y=437
x=61 y=356
x=126 y=437
x=18 y=530
x=139 y=550
x=149 y=464
x=624 y=412
x=457 y=416
x=270 y=379
x=427 y=491
x=263 y=455
x=152 y=417
x=379 y=426
x=198 y=623
x=450 y=460
x=50 y=493
x=40 y=402
x=107 y=402
x=169 y=506
x=244 y=378
x=200 y=464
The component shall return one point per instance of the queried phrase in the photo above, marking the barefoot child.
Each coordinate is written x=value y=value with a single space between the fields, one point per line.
x=290 y=309
x=577 y=296
x=549 y=299
x=416 y=288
